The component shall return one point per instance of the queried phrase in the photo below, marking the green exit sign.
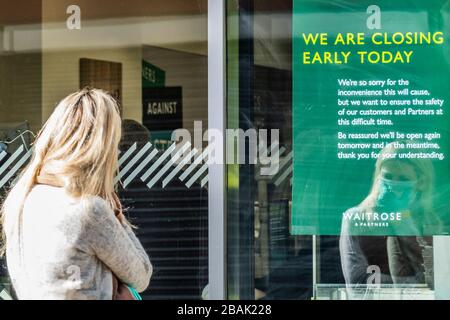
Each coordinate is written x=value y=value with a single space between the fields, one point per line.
x=152 y=76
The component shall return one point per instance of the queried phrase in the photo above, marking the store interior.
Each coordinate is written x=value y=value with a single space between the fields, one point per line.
x=138 y=51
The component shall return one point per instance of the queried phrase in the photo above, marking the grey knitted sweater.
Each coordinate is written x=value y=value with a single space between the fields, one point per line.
x=71 y=247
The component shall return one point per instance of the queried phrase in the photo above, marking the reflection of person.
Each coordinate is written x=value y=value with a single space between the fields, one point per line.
x=133 y=132
x=399 y=203
x=66 y=236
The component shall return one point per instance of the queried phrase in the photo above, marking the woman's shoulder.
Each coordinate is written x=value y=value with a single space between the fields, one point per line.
x=56 y=196
x=349 y=216
x=352 y=212
x=95 y=206
x=87 y=212
x=44 y=197
x=64 y=205
x=356 y=209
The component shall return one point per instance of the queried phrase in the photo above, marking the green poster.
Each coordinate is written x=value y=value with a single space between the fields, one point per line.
x=370 y=117
x=152 y=76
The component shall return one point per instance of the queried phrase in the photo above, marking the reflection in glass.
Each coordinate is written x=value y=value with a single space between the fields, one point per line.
x=396 y=215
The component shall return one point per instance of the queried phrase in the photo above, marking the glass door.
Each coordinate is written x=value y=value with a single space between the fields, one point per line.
x=152 y=57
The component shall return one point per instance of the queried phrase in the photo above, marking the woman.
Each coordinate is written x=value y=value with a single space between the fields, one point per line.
x=65 y=234
x=399 y=203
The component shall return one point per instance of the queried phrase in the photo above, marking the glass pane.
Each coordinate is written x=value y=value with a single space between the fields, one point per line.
x=286 y=235
x=152 y=57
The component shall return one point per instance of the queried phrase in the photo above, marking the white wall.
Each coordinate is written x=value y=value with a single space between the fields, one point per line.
x=121 y=40
x=60 y=76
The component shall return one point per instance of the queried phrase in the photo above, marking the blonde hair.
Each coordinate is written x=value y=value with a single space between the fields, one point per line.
x=78 y=145
x=423 y=169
